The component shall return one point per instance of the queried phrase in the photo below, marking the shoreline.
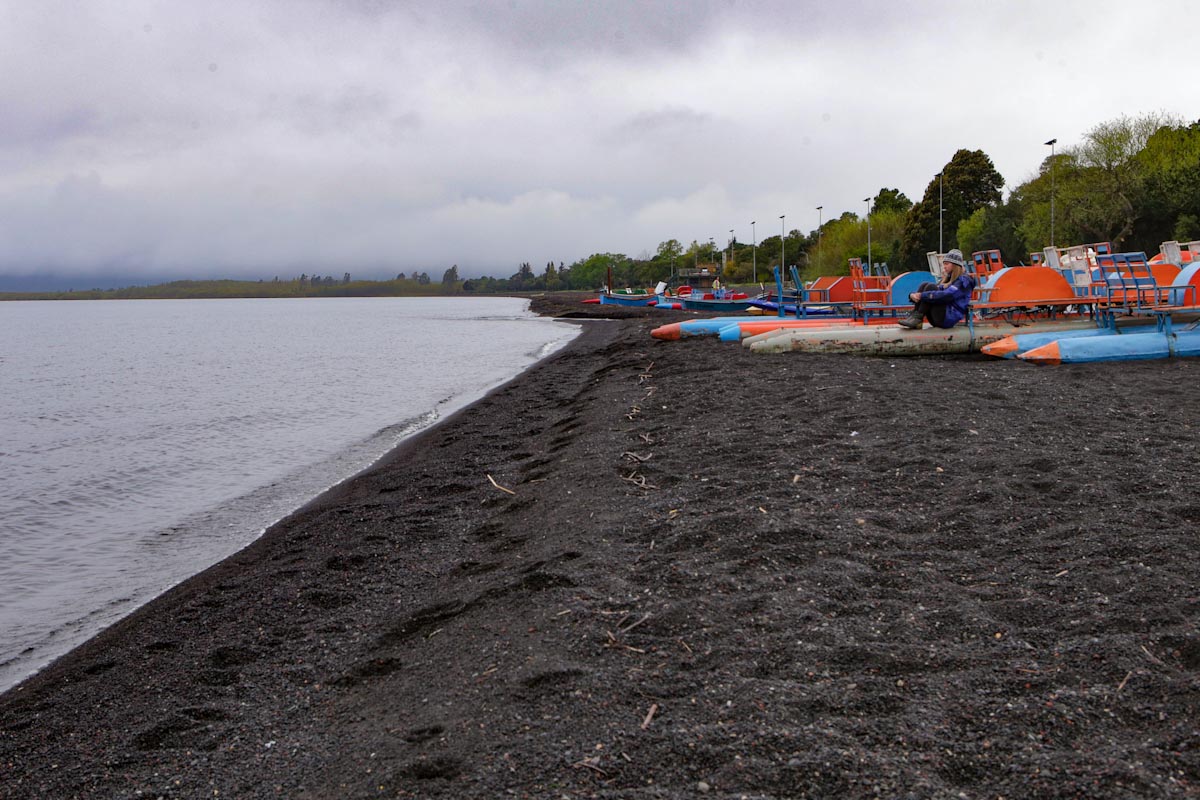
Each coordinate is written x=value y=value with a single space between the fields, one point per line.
x=247 y=515
x=766 y=575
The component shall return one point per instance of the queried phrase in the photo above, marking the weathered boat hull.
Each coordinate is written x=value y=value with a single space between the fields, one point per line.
x=740 y=330
x=892 y=340
x=1014 y=346
x=628 y=299
x=709 y=326
x=772 y=307
x=1126 y=347
x=715 y=326
x=717 y=306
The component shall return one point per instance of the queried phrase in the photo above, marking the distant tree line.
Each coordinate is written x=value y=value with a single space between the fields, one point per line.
x=1134 y=182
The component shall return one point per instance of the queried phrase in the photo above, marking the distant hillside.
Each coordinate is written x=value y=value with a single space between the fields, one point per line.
x=194 y=290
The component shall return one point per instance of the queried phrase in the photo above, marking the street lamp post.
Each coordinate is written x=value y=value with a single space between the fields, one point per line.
x=754 y=251
x=867 y=200
x=941 y=208
x=782 y=248
x=819 y=237
x=712 y=253
x=1052 y=142
x=730 y=247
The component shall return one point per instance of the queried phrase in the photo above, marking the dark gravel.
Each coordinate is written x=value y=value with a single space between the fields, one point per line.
x=717 y=574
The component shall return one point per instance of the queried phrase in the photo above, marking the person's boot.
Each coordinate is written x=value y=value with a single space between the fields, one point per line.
x=913 y=321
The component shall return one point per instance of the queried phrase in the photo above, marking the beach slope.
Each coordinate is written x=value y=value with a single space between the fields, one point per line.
x=652 y=569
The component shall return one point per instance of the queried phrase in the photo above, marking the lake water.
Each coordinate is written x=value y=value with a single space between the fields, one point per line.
x=142 y=441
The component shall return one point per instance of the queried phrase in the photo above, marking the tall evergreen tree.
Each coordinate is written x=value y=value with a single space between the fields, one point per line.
x=968 y=182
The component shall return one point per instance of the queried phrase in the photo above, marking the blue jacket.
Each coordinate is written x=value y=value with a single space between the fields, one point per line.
x=956 y=296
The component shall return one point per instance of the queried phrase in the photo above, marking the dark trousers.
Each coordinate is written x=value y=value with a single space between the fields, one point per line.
x=934 y=312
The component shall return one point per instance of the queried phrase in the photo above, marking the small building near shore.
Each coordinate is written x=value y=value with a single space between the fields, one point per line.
x=700 y=279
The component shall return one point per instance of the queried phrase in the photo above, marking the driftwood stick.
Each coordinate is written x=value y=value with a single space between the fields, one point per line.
x=638 y=480
x=634 y=625
x=498 y=486
x=587 y=763
x=1125 y=681
x=650 y=715
x=1152 y=656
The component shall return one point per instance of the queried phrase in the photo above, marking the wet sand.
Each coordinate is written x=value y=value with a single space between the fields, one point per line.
x=701 y=572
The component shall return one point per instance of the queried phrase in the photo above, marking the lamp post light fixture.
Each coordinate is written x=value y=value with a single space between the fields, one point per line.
x=1051 y=143
x=819 y=238
x=754 y=252
x=867 y=200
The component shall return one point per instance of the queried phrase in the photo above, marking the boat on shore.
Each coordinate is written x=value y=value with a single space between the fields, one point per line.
x=716 y=305
x=892 y=340
x=1017 y=344
x=628 y=299
x=1160 y=342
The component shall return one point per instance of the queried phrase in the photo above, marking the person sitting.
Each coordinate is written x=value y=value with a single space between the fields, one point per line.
x=944 y=303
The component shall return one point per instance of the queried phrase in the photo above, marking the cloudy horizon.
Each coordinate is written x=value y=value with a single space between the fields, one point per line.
x=265 y=138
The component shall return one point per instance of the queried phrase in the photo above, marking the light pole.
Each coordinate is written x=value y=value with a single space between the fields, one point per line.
x=782 y=250
x=1052 y=142
x=819 y=238
x=730 y=247
x=712 y=254
x=754 y=251
x=941 y=208
x=867 y=200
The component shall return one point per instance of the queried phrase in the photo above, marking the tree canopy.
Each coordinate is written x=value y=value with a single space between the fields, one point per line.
x=968 y=182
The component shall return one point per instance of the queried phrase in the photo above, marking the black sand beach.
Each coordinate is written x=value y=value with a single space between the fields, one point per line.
x=703 y=572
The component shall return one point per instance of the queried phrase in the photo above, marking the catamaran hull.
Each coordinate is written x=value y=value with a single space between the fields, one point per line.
x=892 y=340
x=718 y=306
x=713 y=326
x=1126 y=347
x=744 y=329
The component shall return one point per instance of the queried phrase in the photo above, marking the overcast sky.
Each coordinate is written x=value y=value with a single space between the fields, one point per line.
x=260 y=138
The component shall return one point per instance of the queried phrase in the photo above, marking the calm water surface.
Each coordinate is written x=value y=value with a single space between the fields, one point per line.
x=142 y=441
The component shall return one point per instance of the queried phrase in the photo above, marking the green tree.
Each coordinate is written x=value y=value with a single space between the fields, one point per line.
x=1187 y=228
x=1104 y=178
x=670 y=249
x=523 y=279
x=1170 y=201
x=592 y=272
x=890 y=200
x=970 y=234
x=969 y=181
